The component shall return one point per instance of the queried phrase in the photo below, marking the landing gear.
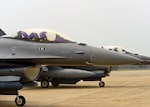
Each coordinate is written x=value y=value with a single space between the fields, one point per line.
x=44 y=83
x=54 y=83
x=20 y=101
x=101 y=84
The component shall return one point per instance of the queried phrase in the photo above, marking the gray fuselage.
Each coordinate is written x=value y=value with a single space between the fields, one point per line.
x=59 y=54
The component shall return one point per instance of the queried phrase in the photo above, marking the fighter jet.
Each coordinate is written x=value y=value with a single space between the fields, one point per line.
x=144 y=59
x=24 y=52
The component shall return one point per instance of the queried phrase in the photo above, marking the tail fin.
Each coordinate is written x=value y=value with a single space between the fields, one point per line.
x=2 y=32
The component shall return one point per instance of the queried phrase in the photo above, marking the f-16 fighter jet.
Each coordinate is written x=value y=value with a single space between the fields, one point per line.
x=24 y=52
x=145 y=60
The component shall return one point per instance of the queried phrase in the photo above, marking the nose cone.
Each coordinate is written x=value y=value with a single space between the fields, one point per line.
x=104 y=57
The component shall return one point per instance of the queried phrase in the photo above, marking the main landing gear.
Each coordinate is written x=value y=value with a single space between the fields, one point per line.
x=45 y=83
x=20 y=100
x=54 y=83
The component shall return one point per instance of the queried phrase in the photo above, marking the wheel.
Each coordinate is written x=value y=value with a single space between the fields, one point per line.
x=101 y=84
x=54 y=84
x=20 y=101
x=44 y=84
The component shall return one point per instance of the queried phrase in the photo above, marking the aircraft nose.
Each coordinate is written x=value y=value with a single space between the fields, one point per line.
x=104 y=57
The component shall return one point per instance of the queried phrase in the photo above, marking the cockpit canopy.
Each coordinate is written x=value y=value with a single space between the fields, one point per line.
x=117 y=49
x=40 y=35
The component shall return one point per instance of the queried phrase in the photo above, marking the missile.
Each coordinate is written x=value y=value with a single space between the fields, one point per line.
x=10 y=85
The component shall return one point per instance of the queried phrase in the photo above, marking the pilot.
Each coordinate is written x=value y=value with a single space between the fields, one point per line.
x=43 y=37
x=34 y=36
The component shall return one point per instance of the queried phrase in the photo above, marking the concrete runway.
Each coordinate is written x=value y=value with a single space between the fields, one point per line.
x=123 y=89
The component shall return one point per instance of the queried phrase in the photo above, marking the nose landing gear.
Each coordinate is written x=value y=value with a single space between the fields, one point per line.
x=101 y=83
x=20 y=100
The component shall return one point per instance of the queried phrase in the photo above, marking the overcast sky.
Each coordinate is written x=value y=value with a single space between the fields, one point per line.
x=96 y=22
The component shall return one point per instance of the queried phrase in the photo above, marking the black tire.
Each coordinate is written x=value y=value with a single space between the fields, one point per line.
x=44 y=84
x=54 y=83
x=21 y=101
x=101 y=84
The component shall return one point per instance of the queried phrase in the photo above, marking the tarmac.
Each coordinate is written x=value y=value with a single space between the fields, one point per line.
x=123 y=89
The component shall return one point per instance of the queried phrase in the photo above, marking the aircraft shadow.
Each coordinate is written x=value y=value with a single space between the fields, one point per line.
x=60 y=87
x=7 y=104
x=85 y=87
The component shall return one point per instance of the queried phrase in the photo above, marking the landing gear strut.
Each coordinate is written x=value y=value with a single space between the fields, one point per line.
x=20 y=100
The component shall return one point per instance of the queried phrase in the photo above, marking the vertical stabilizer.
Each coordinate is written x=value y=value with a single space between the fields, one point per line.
x=2 y=32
